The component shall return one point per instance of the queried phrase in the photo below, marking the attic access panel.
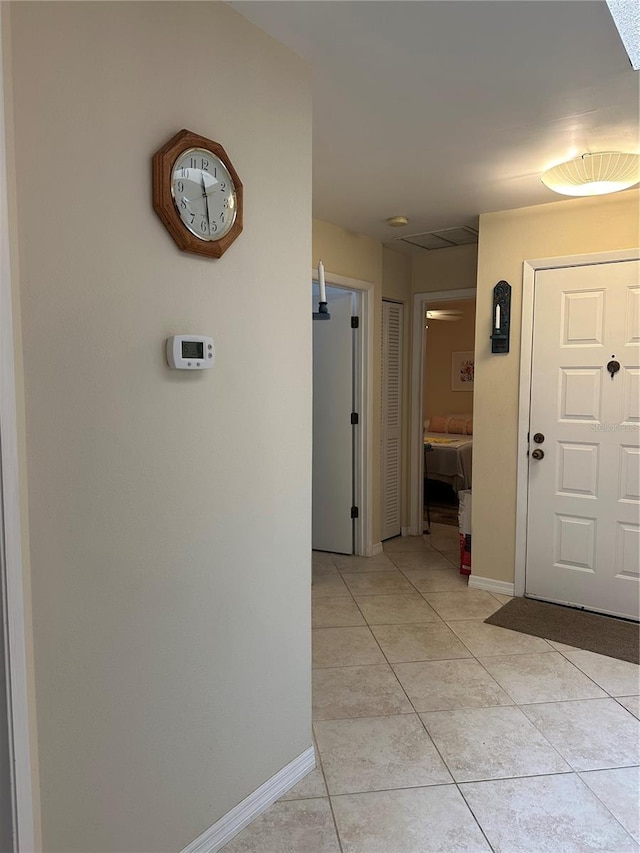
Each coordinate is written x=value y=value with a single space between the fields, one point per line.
x=460 y=235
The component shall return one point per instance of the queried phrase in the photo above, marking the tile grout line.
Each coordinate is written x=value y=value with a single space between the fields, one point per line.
x=601 y=800
x=586 y=675
x=442 y=758
x=539 y=776
x=504 y=689
x=453 y=782
x=326 y=787
x=475 y=817
x=537 y=727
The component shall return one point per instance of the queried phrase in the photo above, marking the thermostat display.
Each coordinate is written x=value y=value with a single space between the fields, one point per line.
x=190 y=352
x=192 y=349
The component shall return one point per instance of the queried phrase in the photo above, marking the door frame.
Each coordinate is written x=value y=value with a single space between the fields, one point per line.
x=530 y=268
x=364 y=545
x=11 y=561
x=416 y=444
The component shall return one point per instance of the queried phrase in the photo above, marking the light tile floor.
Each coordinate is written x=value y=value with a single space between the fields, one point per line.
x=436 y=732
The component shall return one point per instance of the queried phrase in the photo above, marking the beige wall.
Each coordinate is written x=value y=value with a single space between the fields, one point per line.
x=507 y=239
x=444 y=338
x=445 y=269
x=346 y=253
x=169 y=513
x=396 y=275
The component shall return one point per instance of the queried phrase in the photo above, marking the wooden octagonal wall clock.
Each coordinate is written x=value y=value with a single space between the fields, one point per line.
x=197 y=194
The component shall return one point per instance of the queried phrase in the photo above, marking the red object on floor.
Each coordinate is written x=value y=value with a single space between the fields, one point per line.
x=465 y=553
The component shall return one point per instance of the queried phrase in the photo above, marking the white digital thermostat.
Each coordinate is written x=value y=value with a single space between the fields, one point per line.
x=190 y=352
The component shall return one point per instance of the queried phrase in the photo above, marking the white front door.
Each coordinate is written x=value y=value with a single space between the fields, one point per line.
x=583 y=528
x=332 y=493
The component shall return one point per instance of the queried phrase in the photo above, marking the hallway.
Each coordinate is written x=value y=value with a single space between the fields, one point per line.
x=436 y=732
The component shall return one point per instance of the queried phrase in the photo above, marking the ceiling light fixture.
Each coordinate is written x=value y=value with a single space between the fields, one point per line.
x=594 y=174
x=450 y=316
x=397 y=221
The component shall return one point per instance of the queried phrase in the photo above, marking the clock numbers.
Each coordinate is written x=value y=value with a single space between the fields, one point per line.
x=208 y=214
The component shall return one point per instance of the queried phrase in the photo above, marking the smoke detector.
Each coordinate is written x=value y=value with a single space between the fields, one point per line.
x=397 y=221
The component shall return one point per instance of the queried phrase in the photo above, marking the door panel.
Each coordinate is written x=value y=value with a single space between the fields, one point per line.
x=392 y=314
x=332 y=494
x=577 y=469
x=631 y=396
x=583 y=526
x=627 y=563
x=632 y=332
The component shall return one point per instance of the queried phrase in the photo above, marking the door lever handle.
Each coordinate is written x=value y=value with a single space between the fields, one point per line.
x=538 y=453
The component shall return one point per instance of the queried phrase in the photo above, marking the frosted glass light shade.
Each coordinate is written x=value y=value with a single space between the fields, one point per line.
x=594 y=174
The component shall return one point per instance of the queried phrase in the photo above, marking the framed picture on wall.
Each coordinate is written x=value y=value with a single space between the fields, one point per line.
x=462 y=371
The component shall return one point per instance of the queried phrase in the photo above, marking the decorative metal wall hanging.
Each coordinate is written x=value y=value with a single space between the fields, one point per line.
x=501 y=315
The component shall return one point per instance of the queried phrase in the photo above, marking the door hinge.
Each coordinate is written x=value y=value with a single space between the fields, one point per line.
x=354 y=512
x=355 y=322
x=355 y=418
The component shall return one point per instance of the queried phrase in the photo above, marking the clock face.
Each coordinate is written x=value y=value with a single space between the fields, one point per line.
x=204 y=194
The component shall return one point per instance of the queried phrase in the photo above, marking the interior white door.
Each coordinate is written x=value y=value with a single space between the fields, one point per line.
x=332 y=493
x=583 y=528
x=391 y=418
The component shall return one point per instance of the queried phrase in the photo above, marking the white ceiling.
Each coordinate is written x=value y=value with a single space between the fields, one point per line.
x=444 y=110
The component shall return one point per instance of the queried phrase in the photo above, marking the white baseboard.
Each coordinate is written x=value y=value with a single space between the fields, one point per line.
x=491 y=585
x=376 y=549
x=223 y=830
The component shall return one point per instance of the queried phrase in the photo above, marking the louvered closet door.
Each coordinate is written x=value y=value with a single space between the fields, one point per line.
x=391 y=417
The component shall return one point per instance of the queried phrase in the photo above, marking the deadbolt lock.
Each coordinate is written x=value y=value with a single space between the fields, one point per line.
x=538 y=438
x=538 y=454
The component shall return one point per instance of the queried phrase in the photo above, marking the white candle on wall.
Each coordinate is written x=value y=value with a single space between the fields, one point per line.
x=323 y=291
x=498 y=317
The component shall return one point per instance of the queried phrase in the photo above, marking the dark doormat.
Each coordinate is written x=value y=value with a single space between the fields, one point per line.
x=604 y=635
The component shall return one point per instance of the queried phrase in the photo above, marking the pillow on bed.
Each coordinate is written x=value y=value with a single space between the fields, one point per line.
x=457 y=424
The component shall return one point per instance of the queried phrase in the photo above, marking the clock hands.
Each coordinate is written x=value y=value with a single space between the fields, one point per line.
x=206 y=199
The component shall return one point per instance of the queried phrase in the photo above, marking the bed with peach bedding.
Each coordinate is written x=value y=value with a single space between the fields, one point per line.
x=448 y=455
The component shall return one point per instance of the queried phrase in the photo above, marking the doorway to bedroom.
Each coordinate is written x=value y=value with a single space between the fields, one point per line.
x=447 y=407
x=443 y=346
